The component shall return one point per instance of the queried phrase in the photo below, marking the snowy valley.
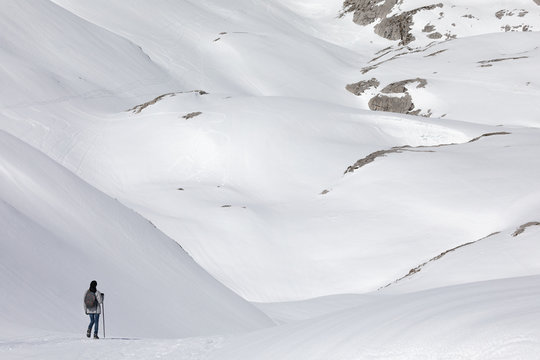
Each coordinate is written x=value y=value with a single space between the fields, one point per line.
x=276 y=179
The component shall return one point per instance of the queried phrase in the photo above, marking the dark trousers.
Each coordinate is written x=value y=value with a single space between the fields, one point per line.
x=94 y=320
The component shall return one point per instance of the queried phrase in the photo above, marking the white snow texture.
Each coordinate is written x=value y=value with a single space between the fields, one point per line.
x=205 y=163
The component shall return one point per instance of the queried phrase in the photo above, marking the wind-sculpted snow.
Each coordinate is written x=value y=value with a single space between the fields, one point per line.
x=51 y=56
x=495 y=320
x=490 y=320
x=228 y=126
x=59 y=233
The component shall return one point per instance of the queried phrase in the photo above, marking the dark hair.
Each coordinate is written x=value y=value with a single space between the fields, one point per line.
x=93 y=286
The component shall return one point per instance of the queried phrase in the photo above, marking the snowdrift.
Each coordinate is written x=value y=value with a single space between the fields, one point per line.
x=490 y=320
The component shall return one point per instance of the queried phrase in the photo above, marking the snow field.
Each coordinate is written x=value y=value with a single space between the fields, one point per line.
x=243 y=165
x=59 y=233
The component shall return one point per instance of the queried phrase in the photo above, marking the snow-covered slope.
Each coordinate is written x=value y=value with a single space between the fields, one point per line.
x=420 y=22
x=493 y=320
x=500 y=255
x=233 y=128
x=51 y=56
x=253 y=186
x=491 y=79
x=241 y=47
x=474 y=62
x=59 y=233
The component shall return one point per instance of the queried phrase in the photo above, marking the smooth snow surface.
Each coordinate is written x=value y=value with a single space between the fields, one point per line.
x=59 y=233
x=490 y=320
x=196 y=156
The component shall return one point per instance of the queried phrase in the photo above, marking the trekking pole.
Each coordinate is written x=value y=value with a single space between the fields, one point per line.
x=103 y=313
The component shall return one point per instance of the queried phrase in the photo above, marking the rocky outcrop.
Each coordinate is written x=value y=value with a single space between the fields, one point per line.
x=522 y=228
x=371 y=157
x=424 y=148
x=361 y=86
x=399 y=104
x=396 y=104
x=368 y=11
x=192 y=115
x=428 y=28
x=487 y=63
x=138 y=108
x=399 y=86
x=417 y=269
x=398 y=27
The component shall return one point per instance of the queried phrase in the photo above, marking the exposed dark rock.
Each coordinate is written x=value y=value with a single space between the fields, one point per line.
x=138 y=108
x=384 y=50
x=395 y=104
x=380 y=56
x=399 y=86
x=361 y=86
x=521 y=27
x=368 y=68
x=371 y=157
x=428 y=28
x=368 y=11
x=398 y=104
x=489 y=134
x=522 y=228
x=435 y=35
x=501 y=13
x=419 y=267
x=398 y=27
x=436 y=52
x=399 y=149
x=192 y=115
x=484 y=62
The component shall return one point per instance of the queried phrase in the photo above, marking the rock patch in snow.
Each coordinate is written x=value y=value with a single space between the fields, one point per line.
x=192 y=115
x=522 y=228
x=138 y=108
x=444 y=253
x=361 y=86
x=398 y=27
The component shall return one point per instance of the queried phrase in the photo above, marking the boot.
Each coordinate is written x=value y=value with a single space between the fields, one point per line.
x=95 y=336
x=88 y=333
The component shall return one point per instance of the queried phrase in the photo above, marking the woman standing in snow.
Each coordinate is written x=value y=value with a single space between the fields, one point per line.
x=92 y=307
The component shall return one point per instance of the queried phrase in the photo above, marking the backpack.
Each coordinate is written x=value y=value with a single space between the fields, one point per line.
x=90 y=299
